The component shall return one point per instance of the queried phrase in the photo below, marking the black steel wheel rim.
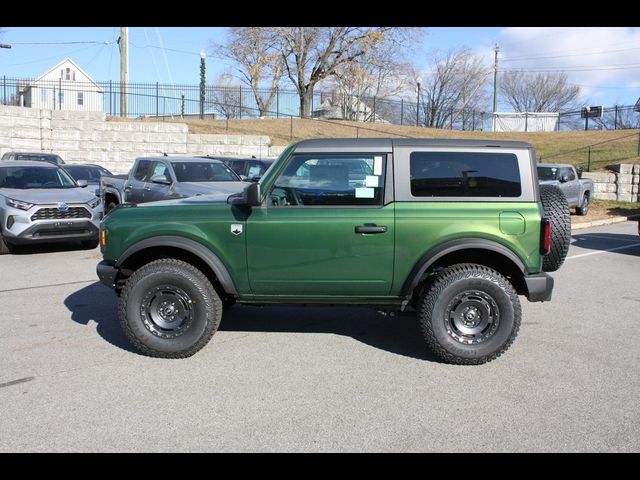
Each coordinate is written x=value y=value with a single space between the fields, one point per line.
x=167 y=311
x=472 y=317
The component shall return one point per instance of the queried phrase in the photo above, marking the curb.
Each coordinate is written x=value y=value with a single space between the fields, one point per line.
x=604 y=221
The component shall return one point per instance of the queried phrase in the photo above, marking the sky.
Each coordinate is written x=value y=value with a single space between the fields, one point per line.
x=604 y=61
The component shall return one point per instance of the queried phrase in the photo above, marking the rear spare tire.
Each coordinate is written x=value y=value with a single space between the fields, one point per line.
x=556 y=210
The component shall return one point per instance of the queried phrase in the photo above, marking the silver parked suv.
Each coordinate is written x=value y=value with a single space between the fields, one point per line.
x=40 y=202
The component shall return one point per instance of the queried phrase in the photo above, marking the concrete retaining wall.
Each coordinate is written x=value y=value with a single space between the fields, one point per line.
x=621 y=184
x=87 y=137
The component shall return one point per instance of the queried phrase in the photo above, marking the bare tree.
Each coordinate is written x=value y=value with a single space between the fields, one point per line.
x=257 y=60
x=453 y=85
x=226 y=97
x=540 y=92
x=380 y=73
x=311 y=54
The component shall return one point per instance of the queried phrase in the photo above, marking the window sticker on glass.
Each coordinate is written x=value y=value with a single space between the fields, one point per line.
x=377 y=165
x=364 y=192
x=371 y=181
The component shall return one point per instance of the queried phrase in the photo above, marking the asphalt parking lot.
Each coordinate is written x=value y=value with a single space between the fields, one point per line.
x=333 y=379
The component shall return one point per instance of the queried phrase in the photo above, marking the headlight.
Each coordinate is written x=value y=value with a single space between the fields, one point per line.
x=94 y=203
x=18 y=204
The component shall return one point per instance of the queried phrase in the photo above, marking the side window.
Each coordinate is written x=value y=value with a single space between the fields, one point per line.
x=331 y=180
x=256 y=169
x=158 y=168
x=464 y=174
x=569 y=173
x=141 y=170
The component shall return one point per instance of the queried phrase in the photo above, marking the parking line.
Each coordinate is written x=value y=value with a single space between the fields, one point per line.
x=604 y=251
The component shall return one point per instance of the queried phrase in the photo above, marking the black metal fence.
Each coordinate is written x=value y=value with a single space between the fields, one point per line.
x=165 y=101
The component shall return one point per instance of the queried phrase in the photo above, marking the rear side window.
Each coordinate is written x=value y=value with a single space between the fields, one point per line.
x=464 y=174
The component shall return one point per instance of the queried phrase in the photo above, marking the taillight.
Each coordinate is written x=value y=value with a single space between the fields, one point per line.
x=545 y=241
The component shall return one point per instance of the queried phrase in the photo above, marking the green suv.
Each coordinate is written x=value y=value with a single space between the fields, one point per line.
x=453 y=229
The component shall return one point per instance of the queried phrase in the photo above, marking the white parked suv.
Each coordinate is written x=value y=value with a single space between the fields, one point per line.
x=41 y=203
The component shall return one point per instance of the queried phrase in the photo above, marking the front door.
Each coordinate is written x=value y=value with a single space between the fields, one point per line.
x=324 y=230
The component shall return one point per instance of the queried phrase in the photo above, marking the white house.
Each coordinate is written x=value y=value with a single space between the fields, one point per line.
x=65 y=86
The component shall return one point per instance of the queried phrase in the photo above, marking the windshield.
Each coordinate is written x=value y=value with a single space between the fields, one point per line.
x=204 y=172
x=24 y=178
x=547 y=173
x=83 y=172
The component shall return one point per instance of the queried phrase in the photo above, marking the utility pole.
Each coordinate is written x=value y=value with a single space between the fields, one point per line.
x=124 y=69
x=495 y=86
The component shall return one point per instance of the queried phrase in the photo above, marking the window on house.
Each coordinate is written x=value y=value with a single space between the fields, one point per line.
x=80 y=98
x=74 y=75
x=61 y=97
x=68 y=75
x=43 y=95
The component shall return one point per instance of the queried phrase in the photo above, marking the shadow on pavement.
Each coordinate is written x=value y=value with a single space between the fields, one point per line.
x=398 y=334
x=616 y=242
x=98 y=303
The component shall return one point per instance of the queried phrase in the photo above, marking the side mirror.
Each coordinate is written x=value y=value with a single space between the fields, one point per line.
x=243 y=178
x=160 y=179
x=564 y=178
x=250 y=196
x=82 y=183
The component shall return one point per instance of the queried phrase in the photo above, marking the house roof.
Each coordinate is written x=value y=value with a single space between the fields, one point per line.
x=75 y=65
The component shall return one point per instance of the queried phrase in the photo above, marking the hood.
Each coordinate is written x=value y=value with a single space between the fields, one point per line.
x=205 y=188
x=41 y=196
x=219 y=197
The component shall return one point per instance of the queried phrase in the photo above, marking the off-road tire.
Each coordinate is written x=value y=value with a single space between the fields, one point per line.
x=583 y=209
x=478 y=286
x=155 y=285
x=5 y=247
x=556 y=210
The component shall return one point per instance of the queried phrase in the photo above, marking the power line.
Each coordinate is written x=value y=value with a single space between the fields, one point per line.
x=519 y=59
x=104 y=42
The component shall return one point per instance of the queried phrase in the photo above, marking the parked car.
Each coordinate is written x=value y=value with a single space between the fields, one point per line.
x=456 y=229
x=40 y=202
x=161 y=178
x=89 y=173
x=579 y=191
x=35 y=157
x=251 y=169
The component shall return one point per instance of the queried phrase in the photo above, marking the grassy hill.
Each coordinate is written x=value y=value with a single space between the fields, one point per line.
x=285 y=131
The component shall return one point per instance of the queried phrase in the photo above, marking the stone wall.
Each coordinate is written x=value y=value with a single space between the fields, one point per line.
x=621 y=183
x=87 y=137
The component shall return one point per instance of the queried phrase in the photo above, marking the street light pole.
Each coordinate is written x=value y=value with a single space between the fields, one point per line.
x=203 y=68
x=418 y=82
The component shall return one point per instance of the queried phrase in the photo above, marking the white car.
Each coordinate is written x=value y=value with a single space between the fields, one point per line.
x=41 y=203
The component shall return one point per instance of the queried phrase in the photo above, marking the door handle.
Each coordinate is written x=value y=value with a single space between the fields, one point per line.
x=370 y=229
x=127 y=188
x=147 y=189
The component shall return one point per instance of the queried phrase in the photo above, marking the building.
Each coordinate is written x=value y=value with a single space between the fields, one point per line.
x=64 y=86
x=345 y=107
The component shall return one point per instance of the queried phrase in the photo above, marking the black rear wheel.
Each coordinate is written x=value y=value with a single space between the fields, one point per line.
x=470 y=315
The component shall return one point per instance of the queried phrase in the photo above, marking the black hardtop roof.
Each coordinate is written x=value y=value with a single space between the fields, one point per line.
x=388 y=143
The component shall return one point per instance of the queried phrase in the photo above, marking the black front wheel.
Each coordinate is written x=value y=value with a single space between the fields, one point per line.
x=583 y=209
x=168 y=308
x=470 y=315
x=5 y=247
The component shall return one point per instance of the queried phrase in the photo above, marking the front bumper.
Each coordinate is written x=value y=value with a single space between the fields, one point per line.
x=539 y=287
x=107 y=274
x=42 y=224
